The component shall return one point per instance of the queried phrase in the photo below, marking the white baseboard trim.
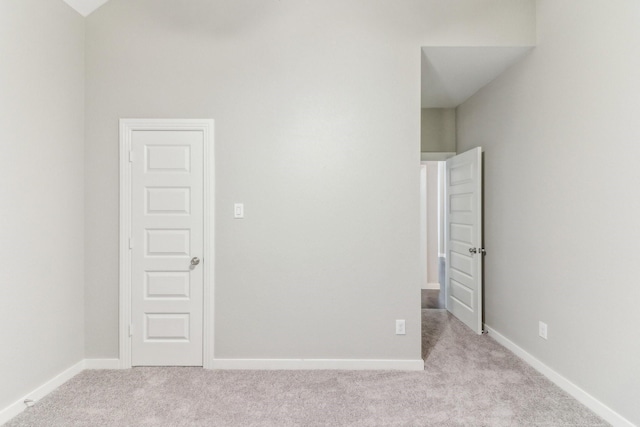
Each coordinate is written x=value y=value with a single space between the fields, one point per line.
x=432 y=286
x=102 y=364
x=17 y=407
x=579 y=394
x=315 y=364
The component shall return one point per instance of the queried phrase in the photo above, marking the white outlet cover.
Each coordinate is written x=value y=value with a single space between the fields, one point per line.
x=542 y=330
x=400 y=327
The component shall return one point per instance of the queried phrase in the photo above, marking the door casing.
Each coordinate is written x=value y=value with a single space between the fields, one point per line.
x=127 y=127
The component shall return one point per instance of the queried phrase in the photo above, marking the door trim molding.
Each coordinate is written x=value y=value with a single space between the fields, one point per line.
x=424 y=232
x=127 y=127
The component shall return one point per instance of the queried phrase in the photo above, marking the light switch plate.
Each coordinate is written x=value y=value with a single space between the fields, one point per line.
x=238 y=210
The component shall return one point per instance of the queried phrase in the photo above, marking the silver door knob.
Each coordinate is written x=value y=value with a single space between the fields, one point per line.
x=195 y=260
x=473 y=250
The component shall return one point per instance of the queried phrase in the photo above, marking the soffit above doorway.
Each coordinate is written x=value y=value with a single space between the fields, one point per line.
x=452 y=74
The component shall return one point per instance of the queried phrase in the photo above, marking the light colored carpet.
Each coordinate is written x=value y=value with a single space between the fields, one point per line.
x=468 y=380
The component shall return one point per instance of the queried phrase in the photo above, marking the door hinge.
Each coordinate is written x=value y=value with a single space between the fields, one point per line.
x=130 y=330
x=130 y=156
x=130 y=242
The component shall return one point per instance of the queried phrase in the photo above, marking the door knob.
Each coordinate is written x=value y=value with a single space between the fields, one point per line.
x=473 y=250
x=195 y=260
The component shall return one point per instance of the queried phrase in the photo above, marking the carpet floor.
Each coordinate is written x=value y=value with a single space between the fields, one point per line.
x=469 y=380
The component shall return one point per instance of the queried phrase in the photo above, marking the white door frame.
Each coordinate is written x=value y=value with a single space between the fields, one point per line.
x=441 y=158
x=423 y=225
x=127 y=127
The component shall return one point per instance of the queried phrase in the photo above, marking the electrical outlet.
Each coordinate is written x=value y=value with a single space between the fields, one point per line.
x=400 y=330
x=542 y=330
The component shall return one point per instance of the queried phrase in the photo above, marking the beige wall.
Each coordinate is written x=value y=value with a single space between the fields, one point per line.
x=560 y=133
x=41 y=193
x=317 y=133
x=438 y=130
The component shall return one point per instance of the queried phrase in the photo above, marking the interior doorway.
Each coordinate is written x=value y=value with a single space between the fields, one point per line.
x=454 y=197
x=166 y=242
x=432 y=238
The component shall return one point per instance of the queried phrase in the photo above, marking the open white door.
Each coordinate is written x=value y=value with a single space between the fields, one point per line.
x=463 y=237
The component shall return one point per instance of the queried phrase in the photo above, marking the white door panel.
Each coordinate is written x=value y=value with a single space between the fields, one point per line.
x=167 y=284
x=167 y=232
x=168 y=200
x=464 y=238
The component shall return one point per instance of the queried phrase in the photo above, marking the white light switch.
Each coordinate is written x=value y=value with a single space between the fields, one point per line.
x=238 y=210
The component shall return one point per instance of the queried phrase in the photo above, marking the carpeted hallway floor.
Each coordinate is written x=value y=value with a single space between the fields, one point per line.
x=468 y=380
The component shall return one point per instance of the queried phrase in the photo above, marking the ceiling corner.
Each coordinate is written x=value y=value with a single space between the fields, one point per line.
x=85 y=7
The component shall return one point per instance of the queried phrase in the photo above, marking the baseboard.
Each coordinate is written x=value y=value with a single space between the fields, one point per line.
x=102 y=364
x=271 y=364
x=432 y=286
x=316 y=364
x=579 y=394
x=17 y=407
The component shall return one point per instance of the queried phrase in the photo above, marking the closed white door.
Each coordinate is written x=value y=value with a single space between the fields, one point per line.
x=464 y=237
x=167 y=248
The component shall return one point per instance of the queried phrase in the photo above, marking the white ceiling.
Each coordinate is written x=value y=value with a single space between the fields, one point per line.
x=85 y=7
x=451 y=75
